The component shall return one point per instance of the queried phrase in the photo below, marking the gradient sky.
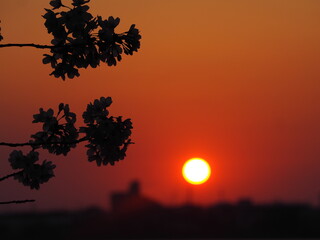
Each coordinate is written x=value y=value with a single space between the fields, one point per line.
x=233 y=82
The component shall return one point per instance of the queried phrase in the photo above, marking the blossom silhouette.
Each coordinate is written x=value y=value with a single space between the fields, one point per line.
x=19 y=161
x=81 y=40
x=36 y=174
x=56 y=4
x=56 y=137
x=108 y=137
x=97 y=110
x=31 y=174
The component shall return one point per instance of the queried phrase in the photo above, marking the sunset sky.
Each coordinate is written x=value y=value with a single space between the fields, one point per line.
x=235 y=82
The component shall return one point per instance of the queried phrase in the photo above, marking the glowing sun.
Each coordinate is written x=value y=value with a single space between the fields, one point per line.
x=196 y=171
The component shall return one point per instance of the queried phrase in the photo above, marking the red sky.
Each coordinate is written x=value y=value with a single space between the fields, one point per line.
x=233 y=82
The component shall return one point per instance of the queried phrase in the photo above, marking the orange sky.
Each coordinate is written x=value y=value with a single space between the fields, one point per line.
x=233 y=82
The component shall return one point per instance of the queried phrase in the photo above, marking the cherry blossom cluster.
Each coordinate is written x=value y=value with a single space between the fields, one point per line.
x=108 y=138
x=31 y=174
x=81 y=40
x=57 y=137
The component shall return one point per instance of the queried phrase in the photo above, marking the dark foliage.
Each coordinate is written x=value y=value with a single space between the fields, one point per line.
x=31 y=174
x=108 y=136
x=108 y=139
x=81 y=40
x=57 y=137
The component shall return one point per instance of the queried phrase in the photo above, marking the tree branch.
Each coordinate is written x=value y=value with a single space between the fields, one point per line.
x=17 y=144
x=10 y=175
x=18 y=201
x=39 y=144
x=26 y=45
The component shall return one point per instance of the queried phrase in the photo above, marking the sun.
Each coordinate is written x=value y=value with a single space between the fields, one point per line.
x=196 y=171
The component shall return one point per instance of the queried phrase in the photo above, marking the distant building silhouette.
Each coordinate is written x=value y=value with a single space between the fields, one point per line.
x=135 y=216
x=131 y=201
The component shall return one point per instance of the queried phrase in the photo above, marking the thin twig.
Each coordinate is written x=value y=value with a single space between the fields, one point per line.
x=18 y=201
x=26 y=45
x=10 y=175
x=39 y=144
x=16 y=144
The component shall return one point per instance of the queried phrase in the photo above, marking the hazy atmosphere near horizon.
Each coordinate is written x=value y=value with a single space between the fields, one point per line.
x=233 y=82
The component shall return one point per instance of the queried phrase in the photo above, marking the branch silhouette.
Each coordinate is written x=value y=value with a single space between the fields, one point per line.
x=26 y=45
x=18 y=201
x=40 y=144
x=79 y=41
x=108 y=138
x=10 y=175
